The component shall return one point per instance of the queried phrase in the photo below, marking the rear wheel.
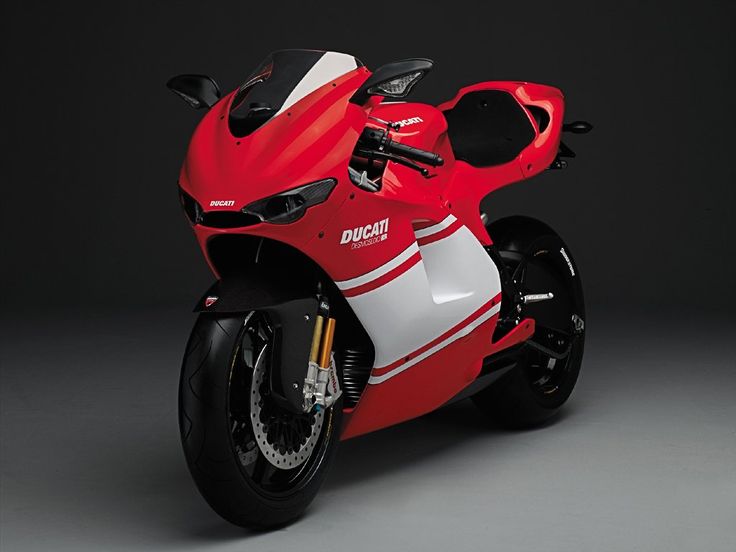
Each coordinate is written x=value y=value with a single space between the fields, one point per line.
x=256 y=463
x=548 y=365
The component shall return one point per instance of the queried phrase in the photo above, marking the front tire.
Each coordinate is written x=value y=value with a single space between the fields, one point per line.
x=255 y=463
x=538 y=261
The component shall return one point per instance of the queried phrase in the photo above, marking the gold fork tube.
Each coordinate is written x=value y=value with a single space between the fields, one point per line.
x=326 y=347
x=316 y=338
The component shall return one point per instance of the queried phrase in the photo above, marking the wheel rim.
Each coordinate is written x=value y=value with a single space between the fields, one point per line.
x=559 y=329
x=277 y=450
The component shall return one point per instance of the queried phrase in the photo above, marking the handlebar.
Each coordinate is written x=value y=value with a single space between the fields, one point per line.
x=379 y=140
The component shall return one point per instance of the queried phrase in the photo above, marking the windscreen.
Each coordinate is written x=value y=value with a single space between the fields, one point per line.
x=284 y=78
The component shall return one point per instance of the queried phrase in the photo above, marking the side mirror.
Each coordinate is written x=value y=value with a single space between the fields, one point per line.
x=197 y=90
x=394 y=80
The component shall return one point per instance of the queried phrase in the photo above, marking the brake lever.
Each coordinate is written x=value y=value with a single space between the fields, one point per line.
x=370 y=154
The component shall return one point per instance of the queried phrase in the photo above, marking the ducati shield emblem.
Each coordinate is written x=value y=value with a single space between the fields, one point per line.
x=210 y=300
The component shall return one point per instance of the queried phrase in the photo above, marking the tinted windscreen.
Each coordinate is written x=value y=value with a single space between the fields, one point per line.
x=284 y=77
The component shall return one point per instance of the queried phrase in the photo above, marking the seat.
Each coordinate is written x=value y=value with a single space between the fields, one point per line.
x=488 y=127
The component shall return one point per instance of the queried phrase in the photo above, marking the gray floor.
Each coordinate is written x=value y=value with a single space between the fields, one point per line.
x=643 y=459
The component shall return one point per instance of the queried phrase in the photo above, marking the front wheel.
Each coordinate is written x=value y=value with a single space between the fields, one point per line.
x=548 y=365
x=256 y=463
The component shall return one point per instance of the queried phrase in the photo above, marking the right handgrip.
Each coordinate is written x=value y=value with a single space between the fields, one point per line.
x=418 y=155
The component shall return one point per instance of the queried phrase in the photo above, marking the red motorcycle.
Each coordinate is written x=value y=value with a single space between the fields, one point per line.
x=358 y=283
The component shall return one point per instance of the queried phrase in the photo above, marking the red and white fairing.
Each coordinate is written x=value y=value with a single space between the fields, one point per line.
x=410 y=258
x=431 y=287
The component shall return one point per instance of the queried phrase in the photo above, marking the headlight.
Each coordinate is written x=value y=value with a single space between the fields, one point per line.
x=192 y=209
x=291 y=205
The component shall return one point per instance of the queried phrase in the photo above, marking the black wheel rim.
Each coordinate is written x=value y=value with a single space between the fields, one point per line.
x=285 y=429
x=558 y=334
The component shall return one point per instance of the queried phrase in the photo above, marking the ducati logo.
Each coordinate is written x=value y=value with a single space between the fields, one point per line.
x=362 y=236
x=410 y=121
x=222 y=203
x=210 y=300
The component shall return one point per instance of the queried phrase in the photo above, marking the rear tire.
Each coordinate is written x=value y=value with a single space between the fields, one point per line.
x=217 y=420
x=537 y=387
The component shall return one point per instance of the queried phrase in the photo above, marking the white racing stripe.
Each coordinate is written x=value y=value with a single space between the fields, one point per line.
x=330 y=66
x=454 y=279
x=462 y=332
x=380 y=271
x=429 y=230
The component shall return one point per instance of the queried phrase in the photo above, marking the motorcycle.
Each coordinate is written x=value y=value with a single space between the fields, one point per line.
x=358 y=284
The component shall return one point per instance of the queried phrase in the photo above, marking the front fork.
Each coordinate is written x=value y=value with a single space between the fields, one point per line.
x=321 y=385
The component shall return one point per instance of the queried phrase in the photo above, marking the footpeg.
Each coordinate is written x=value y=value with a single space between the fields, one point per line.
x=536 y=297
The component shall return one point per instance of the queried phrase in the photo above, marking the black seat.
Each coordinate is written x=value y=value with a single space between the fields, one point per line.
x=488 y=127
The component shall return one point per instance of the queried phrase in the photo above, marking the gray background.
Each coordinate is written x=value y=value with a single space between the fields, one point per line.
x=99 y=271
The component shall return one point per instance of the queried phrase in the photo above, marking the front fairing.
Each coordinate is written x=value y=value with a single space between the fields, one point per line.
x=311 y=140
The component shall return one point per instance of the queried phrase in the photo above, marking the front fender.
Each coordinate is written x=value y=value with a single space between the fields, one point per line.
x=291 y=310
x=254 y=290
